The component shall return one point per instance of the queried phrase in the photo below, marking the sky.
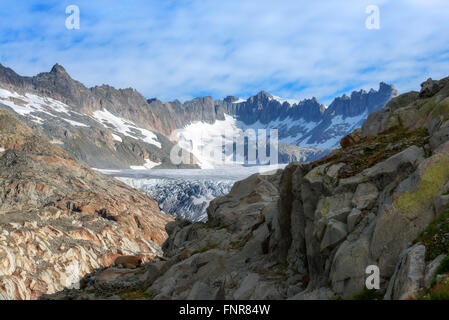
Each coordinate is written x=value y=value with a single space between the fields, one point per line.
x=181 y=49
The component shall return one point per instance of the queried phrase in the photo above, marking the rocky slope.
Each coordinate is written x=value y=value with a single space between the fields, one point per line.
x=118 y=129
x=60 y=220
x=311 y=230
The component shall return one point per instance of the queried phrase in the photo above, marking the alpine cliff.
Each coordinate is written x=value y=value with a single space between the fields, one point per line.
x=310 y=231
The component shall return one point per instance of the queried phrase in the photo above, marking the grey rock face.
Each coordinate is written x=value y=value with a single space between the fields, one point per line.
x=353 y=218
x=408 y=277
x=430 y=88
x=335 y=232
x=348 y=267
x=365 y=195
x=431 y=269
x=247 y=287
x=405 y=213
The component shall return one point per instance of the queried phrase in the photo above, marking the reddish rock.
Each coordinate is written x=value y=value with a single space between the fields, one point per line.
x=350 y=139
x=130 y=262
x=64 y=220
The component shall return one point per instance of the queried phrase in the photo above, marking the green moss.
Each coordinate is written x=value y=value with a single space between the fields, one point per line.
x=241 y=241
x=435 y=237
x=444 y=266
x=368 y=294
x=430 y=108
x=432 y=182
x=326 y=208
x=441 y=295
x=438 y=291
x=372 y=150
x=207 y=248
x=136 y=294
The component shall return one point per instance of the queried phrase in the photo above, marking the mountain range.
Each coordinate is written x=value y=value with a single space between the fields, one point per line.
x=110 y=128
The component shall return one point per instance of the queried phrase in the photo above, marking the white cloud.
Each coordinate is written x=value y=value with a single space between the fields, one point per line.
x=291 y=48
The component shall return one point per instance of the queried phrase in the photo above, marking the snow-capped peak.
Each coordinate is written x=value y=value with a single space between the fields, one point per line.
x=240 y=100
x=282 y=100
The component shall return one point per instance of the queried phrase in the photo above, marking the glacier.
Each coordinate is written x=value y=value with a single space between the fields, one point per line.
x=186 y=193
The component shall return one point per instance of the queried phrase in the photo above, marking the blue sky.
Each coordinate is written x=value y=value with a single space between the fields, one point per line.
x=186 y=48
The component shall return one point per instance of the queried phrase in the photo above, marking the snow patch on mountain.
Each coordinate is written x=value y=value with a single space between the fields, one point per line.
x=125 y=127
x=240 y=100
x=30 y=105
x=205 y=140
x=116 y=138
x=282 y=100
x=333 y=133
x=202 y=139
x=75 y=123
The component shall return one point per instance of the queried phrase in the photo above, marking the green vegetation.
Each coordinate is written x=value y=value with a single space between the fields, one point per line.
x=440 y=292
x=135 y=294
x=368 y=294
x=207 y=248
x=326 y=207
x=433 y=178
x=444 y=266
x=371 y=150
x=431 y=108
x=241 y=241
x=436 y=236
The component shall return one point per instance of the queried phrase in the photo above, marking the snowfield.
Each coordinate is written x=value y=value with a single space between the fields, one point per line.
x=125 y=127
x=30 y=105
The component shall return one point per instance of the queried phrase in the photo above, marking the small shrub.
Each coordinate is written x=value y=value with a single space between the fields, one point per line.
x=444 y=266
x=368 y=294
x=435 y=237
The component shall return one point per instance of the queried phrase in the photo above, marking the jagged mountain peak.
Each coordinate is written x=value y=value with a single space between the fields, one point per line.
x=261 y=97
x=361 y=101
x=58 y=69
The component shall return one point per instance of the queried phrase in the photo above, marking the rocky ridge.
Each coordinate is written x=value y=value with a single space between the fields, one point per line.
x=60 y=220
x=311 y=230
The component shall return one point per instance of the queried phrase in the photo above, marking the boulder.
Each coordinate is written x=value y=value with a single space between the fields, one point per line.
x=201 y=291
x=322 y=293
x=407 y=280
x=247 y=287
x=365 y=196
x=335 y=232
x=335 y=207
x=266 y=291
x=348 y=267
x=394 y=168
x=430 y=88
x=351 y=138
x=353 y=218
x=431 y=269
x=130 y=262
